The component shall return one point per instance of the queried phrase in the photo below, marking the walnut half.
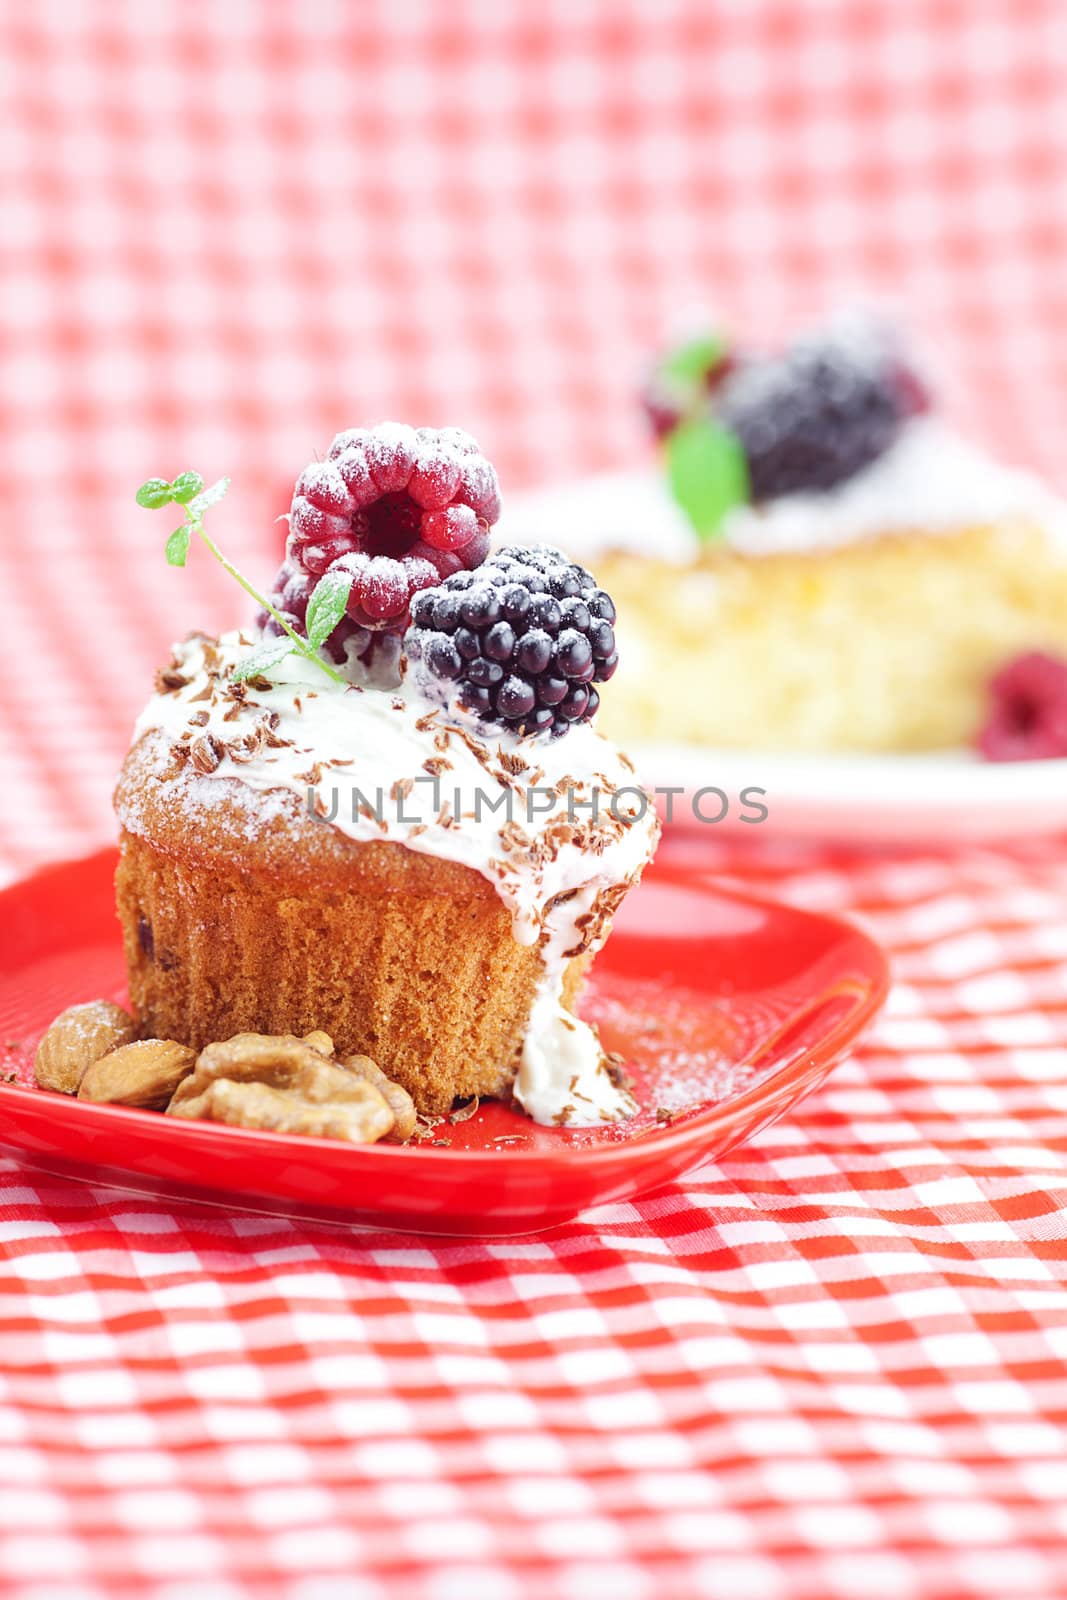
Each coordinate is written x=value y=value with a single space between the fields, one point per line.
x=361 y=1116
x=283 y=1084
x=400 y=1102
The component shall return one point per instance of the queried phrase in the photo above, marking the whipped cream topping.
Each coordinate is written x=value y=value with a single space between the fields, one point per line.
x=558 y=826
x=930 y=480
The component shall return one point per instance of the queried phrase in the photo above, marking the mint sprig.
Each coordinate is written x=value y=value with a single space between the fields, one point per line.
x=328 y=599
x=707 y=471
x=706 y=466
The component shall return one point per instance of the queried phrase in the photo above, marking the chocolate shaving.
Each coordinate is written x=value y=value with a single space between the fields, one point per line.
x=169 y=681
x=467 y=1111
x=615 y=1067
x=206 y=753
x=250 y=747
x=435 y=765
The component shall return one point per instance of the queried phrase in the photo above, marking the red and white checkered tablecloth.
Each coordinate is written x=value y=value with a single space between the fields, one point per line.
x=832 y=1366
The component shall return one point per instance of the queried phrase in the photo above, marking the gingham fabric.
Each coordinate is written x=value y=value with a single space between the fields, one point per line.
x=832 y=1366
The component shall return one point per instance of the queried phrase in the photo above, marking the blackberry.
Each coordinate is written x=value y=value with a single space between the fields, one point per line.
x=820 y=413
x=399 y=508
x=520 y=643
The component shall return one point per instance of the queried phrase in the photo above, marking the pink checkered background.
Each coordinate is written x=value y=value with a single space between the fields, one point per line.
x=829 y=1367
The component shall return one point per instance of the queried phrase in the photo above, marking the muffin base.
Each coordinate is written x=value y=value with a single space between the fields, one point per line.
x=291 y=927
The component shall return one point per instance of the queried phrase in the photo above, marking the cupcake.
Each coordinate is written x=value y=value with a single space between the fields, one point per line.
x=407 y=833
x=823 y=561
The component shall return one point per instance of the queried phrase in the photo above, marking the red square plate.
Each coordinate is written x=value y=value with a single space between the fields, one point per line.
x=726 y=1010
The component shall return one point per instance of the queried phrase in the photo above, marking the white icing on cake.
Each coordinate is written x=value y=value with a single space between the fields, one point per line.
x=326 y=740
x=930 y=481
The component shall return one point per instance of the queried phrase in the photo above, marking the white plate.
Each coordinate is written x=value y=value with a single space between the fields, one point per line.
x=863 y=799
x=925 y=798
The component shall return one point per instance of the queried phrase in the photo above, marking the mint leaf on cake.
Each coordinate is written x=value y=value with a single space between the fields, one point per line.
x=187 y=490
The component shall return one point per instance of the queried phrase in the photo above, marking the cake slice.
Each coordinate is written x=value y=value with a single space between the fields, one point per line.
x=836 y=570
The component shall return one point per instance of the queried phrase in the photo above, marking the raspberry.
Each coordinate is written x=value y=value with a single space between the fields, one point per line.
x=399 y=508
x=820 y=413
x=520 y=643
x=1028 y=715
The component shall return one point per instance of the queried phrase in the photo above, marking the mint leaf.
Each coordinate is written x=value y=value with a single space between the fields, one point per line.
x=707 y=471
x=263 y=658
x=184 y=486
x=208 y=497
x=178 y=545
x=153 y=494
x=691 y=362
x=327 y=606
x=329 y=599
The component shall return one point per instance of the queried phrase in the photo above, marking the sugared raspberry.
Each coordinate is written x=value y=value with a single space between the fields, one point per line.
x=1028 y=712
x=820 y=413
x=519 y=643
x=399 y=508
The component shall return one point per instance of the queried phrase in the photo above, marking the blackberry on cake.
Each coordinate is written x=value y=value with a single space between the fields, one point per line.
x=519 y=643
x=818 y=414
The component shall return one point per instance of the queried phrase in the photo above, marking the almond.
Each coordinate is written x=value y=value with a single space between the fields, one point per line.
x=77 y=1038
x=143 y=1074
